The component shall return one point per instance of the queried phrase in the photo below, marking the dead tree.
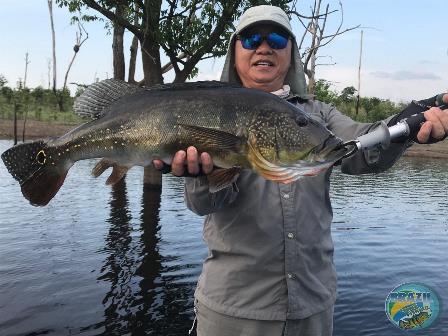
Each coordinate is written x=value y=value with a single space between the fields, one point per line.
x=78 y=43
x=317 y=37
x=53 y=39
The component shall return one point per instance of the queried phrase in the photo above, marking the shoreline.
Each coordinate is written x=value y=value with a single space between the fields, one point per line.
x=41 y=129
x=34 y=129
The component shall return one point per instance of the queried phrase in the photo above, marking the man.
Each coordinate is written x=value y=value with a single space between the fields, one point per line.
x=270 y=265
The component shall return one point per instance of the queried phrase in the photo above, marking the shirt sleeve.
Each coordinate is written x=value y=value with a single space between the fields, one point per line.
x=201 y=201
x=366 y=161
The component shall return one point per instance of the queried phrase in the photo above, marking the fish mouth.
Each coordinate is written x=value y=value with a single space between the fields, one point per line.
x=332 y=149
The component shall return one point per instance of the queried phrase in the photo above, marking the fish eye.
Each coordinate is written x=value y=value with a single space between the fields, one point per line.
x=41 y=157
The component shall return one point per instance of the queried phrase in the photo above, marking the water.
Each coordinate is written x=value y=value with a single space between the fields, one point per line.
x=117 y=261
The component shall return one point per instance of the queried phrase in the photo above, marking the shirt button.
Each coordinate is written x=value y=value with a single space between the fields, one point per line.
x=290 y=235
x=290 y=276
x=286 y=196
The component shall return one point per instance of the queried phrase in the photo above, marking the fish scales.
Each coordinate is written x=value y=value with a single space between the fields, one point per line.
x=241 y=128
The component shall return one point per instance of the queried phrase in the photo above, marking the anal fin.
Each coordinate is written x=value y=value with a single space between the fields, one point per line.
x=221 y=178
x=118 y=171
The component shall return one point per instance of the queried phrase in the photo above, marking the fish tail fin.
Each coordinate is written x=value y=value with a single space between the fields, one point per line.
x=39 y=176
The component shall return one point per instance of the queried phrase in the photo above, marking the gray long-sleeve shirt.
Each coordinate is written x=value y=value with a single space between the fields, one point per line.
x=270 y=246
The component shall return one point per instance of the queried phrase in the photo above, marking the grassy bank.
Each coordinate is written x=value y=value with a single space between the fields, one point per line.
x=35 y=129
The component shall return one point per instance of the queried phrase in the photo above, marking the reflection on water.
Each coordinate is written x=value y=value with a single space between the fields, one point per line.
x=119 y=261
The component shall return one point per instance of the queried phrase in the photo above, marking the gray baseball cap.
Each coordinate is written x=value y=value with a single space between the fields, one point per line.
x=264 y=14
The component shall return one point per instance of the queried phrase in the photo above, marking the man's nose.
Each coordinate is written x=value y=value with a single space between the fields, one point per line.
x=264 y=48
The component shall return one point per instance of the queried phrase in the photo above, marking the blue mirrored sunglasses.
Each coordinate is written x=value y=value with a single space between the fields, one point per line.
x=274 y=40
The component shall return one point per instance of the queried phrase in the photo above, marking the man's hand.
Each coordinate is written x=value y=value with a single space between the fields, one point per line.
x=189 y=159
x=436 y=125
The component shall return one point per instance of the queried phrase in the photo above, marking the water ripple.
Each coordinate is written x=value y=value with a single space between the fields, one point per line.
x=120 y=261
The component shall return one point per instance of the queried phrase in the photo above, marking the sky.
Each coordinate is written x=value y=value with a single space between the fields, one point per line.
x=404 y=49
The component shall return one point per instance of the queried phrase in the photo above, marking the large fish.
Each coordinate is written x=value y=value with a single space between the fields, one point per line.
x=241 y=128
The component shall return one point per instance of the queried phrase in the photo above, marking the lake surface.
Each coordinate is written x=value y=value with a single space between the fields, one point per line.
x=119 y=261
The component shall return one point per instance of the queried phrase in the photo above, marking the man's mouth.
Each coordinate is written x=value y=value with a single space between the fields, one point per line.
x=263 y=63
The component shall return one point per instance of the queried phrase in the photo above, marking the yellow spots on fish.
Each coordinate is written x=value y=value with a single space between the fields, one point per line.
x=41 y=157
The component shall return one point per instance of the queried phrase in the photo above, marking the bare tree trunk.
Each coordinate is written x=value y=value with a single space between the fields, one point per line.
x=26 y=103
x=133 y=52
x=311 y=72
x=16 y=109
x=132 y=60
x=152 y=71
x=49 y=73
x=117 y=47
x=150 y=44
x=53 y=37
x=76 y=47
x=26 y=69
x=359 y=76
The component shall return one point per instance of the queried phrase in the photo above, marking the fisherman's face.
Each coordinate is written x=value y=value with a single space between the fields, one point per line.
x=264 y=67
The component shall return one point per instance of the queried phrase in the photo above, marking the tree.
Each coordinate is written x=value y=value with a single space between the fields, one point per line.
x=315 y=31
x=186 y=31
x=323 y=93
x=3 y=81
x=347 y=94
x=60 y=95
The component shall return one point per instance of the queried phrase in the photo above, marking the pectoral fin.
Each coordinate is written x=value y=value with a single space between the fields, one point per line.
x=213 y=138
x=272 y=171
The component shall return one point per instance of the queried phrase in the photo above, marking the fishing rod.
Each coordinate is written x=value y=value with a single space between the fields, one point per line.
x=383 y=135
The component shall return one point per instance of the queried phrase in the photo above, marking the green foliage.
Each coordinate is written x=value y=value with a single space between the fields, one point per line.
x=347 y=94
x=323 y=92
x=195 y=29
x=371 y=109
x=39 y=104
x=3 y=81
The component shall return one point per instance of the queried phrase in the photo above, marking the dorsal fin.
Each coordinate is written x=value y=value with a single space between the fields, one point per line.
x=95 y=100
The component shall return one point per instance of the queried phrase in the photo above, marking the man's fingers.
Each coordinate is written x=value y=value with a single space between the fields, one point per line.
x=178 y=163
x=189 y=159
x=158 y=164
x=424 y=133
x=193 y=160
x=435 y=127
x=207 y=163
x=445 y=98
x=439 y=120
